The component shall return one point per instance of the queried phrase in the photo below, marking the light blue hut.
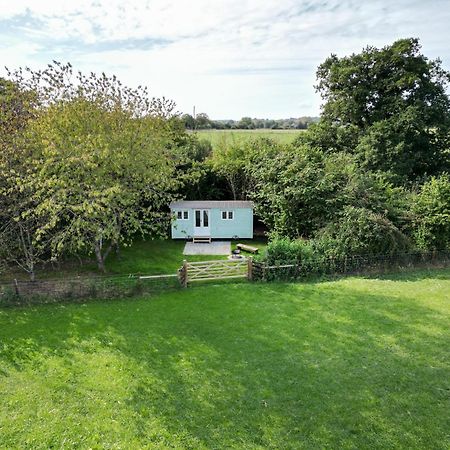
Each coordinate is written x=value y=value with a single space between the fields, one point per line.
x=203 y=220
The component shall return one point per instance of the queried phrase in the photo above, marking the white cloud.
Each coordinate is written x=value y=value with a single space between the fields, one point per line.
x=229 y=57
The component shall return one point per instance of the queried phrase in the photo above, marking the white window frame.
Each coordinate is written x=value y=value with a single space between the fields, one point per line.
x=229 y=215
x=183 y=212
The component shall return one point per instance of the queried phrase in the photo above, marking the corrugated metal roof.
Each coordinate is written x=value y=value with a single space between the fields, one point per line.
x=222 y=204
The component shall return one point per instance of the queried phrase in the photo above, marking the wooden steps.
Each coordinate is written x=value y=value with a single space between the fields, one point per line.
x=201 y=239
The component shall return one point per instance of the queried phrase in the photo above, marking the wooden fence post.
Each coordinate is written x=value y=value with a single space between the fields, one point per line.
x=16 y=286
x=250 y=268
x=184 y=280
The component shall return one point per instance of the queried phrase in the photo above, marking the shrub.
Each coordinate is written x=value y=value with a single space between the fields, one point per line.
x=287 y=251
x=360 y=232
x=432 y=214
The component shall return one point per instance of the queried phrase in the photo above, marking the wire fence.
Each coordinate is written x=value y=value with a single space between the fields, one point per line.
x=47 y=291
x=348 y=265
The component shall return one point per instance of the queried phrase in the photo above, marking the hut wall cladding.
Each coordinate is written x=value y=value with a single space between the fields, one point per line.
x=225 y=219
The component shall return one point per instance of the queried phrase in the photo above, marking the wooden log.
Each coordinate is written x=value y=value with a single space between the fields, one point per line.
x=247 y=248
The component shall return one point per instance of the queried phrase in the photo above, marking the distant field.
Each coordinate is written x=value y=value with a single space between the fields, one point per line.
x=230 y=136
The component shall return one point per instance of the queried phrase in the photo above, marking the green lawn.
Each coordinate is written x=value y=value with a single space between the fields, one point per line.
x=356 y=363
x=149 y=257
x=231 y=136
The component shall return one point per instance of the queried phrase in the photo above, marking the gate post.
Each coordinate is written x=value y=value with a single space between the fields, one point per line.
x=16 y=287
x=250 y=268
x=185 y=274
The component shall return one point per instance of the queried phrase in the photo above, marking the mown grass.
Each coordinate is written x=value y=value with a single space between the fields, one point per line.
x=146 y=257
x=355 y=363
x=229 y=137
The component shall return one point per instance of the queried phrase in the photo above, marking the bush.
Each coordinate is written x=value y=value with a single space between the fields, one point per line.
x=360 y=232
x=286 y=251
x=432 y=214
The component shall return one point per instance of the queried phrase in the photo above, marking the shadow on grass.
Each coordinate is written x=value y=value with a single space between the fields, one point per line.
x=265 y=365
x=416 y=275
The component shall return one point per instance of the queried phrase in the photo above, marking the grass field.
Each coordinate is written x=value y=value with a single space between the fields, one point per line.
x=231 y=136
x=354 y=364
x=149 y=257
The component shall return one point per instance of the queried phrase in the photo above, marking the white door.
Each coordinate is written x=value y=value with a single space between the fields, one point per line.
x=201 y=222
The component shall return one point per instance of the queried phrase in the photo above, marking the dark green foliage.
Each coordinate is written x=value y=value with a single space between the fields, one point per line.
x=203 y=122
x=360 y=231
x=432 y=214
x=298 y=191
x=287 y=251
x=388 y=106
x=357 y=231
x=385 y=123
x=376 y=84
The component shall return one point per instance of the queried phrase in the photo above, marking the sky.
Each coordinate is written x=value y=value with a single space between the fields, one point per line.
x=229 y=58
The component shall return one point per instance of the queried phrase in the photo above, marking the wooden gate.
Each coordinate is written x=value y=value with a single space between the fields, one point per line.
x=214 y=270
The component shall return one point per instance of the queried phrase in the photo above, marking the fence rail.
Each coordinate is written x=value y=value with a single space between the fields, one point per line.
x=349 y=265
x=213 y=270
x=39 y=291
x=16 y=292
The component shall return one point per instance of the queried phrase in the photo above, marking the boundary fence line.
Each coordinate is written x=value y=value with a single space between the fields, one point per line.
x=349 y=265
x=43 y=291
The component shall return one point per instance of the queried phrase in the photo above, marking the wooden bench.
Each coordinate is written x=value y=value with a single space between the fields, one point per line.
x=247 y=248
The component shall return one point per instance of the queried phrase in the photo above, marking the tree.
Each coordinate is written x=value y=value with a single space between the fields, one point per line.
x=298 y=191
x=233 y=161
x=202 y=121
x=20 y=242
x=228 y=161
x=431 y=208
x=189 y=121
x=246 y=123
x=392 y=103
x=98 y=161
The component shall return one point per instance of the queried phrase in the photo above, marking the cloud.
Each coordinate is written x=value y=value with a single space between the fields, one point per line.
x=230 y=58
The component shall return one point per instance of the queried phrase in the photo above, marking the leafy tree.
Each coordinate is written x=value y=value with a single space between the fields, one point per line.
x=246 y=123
x=298 y=191
x=234 y=161
x=20 y=242
x=16 y=109
x=202 y=121
x=189 y=121
x=388 y=106
x=98 y=161
x=432 y=214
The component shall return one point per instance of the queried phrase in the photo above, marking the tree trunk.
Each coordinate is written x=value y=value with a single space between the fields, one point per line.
x=99 y=257
x=102 y=257
x=233 y=188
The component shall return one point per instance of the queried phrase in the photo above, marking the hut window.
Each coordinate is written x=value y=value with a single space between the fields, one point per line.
x=182 y=215
x=227 y=215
